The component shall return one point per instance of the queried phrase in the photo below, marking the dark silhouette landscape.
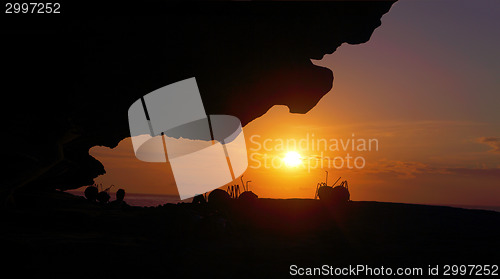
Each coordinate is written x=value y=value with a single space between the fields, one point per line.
x=61 y=234
x=246 y=57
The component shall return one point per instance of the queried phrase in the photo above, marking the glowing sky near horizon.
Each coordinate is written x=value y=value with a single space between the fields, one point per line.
x=426 y=87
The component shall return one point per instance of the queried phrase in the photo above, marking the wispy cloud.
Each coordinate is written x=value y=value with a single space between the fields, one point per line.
x=493 y=142
x=479 y=172
x=410 y=170
x=401 y=169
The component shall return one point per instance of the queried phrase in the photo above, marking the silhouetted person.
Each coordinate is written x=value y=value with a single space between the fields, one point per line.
x=91 y=193
x=119 y=202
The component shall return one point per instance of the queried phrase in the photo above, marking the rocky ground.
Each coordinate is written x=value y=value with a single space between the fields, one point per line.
x=58 y=234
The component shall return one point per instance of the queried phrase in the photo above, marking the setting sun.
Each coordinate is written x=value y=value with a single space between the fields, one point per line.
x=292 y=159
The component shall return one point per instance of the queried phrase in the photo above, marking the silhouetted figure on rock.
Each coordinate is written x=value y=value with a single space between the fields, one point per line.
x=119 y=202
x=91 y=193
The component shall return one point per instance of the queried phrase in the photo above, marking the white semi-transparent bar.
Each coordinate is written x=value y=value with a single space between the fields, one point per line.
x=201 y=171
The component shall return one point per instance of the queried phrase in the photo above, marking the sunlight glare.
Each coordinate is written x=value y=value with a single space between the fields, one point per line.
x=292 y=159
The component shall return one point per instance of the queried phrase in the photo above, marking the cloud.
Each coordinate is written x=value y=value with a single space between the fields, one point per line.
x=401 y=169
x=490 y=172
x=410 y=170
x=493 y=142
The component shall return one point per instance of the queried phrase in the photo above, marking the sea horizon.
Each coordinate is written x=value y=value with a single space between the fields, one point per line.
x=142 y=199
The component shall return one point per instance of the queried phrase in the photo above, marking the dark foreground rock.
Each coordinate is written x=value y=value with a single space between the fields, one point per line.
x=63 y=235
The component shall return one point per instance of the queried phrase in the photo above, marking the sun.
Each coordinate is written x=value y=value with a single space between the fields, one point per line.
x=292 y=159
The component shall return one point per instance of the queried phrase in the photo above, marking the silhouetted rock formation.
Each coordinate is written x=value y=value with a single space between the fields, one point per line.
x=248 y=196
x=219 y=198
x=334 y=195
x=70 y=80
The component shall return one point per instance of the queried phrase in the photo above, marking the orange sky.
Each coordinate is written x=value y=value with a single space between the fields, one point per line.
x=431 y=107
